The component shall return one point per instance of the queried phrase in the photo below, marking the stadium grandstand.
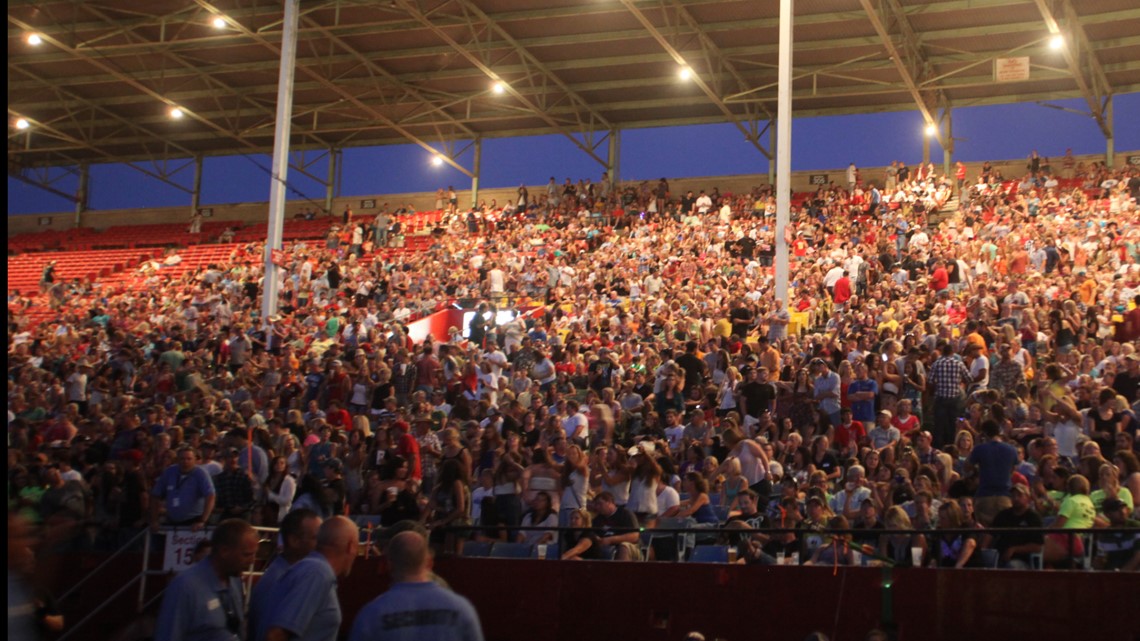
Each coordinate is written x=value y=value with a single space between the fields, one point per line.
x=894 y=402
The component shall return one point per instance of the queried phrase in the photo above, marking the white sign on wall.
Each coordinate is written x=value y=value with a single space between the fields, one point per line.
x=180 y=546
x=1011 y=69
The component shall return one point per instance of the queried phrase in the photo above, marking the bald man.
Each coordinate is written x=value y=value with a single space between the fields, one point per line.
x=304 y=604
x=415 y=608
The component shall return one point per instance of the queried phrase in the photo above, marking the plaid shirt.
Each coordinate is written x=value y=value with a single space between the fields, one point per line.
x=1006 y=376
x=234 y=490
x=947 y=375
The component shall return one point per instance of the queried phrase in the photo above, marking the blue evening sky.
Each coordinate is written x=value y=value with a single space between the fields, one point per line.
x=828 y=142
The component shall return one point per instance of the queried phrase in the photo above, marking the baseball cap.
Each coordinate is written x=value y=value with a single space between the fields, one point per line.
x=335 y=464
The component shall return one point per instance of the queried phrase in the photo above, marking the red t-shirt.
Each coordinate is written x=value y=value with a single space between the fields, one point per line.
x=845 y=434
x=904 y=427
x=409 y=448
x=340 y=418
x=939 y=280
x=842 y=290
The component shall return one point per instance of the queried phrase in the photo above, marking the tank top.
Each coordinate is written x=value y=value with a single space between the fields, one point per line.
x=751 y=467
x=574 y=495
x=620 y=492
x=642 y=496
x=706 y=514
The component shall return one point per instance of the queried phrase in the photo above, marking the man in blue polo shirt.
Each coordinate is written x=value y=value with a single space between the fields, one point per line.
x=995 y=460
x=305 y=606
x=415 y=608
x=862 y=393
x=205 y=602
x=298 y=533
x=186 y=491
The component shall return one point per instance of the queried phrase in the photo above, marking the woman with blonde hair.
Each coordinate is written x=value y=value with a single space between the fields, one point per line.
x=1077 y=512
x=1108 y=487
x=898 y=546
x=726 y=393
x=575 y=483
x=734 y=483
x=944 y=468
x=362 y=426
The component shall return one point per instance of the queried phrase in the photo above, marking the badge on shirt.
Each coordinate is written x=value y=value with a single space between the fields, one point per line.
x=175 y=502
x=213 y=604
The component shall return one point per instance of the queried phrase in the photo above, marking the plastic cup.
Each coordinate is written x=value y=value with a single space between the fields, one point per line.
x=916 y=557
x=795 y=558
x=856 y=557
x=780 y=557
x=542 y=550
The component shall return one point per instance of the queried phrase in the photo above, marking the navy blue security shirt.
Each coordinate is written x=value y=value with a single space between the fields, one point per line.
x=198 y=606
x=304 y=602
x=417 y=612
x=260 y=604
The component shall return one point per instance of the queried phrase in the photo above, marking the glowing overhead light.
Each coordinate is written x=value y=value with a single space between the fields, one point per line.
x=176 y=113
x=1057 y=42
x=499 y=88
x=219 y=22
x=22 y=123
x=34 y=39
x=931 y=130
x=437 y=161
x=685 y=73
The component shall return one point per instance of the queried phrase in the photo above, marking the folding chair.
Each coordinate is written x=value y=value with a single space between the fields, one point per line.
x=476 y=549
x=709 y=554
x=512 y=551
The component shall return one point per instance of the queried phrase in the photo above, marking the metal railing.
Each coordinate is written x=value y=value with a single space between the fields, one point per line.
x=142 y=603
x=1087 y=536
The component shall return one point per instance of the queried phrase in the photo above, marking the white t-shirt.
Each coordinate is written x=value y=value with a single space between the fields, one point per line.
x=666 y=499
x=497 y=279
x=575 y=424
x=981 y=364
x=77 y=387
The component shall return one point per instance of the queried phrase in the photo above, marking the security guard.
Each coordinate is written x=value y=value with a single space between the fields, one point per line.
x=206 y=601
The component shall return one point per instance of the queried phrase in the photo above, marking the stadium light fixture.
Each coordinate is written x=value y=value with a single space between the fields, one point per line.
x=35 y=39
x=176 y=113
x=22 y=123
x=219 y=22
x=437 y=161
x=499 y=88
x=685 y=73
x=931 y=130
x=1057 y=42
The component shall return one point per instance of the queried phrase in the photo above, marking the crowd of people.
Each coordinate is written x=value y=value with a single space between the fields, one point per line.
x=628 y=365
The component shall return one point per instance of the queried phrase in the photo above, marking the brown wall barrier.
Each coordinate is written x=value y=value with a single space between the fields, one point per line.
x=529 y=600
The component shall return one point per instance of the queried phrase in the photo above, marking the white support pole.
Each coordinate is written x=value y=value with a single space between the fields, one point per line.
x=81 y=194
x=280 y=169
x=614 y=150
x=772 y=147
x=477 y=167
x=1109 y=143
x=330 y=186
x=947 y=143
x=784 y=149
x=196 y=187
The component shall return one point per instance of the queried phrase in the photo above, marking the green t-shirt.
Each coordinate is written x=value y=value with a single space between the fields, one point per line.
x=1079 y=512
x=1123 y=494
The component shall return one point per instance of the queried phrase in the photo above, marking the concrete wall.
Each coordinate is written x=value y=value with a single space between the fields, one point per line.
x=257 y=212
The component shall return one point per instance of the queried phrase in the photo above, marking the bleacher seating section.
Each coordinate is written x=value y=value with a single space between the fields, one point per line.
x=111 y=257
